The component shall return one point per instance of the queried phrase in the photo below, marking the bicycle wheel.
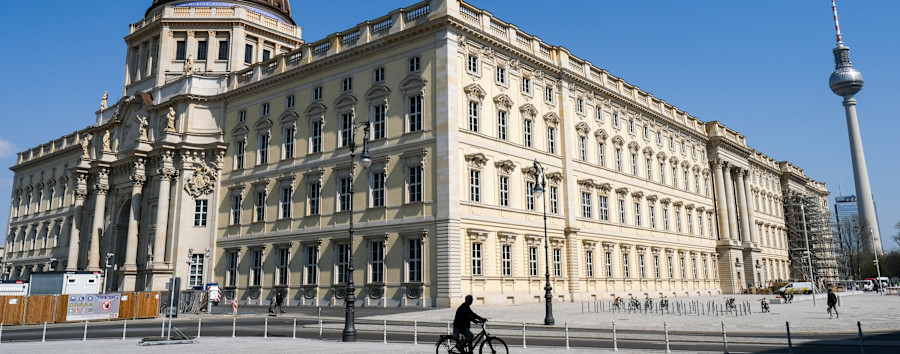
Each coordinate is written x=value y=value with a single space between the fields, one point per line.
x=447 y=345
x=494 y=345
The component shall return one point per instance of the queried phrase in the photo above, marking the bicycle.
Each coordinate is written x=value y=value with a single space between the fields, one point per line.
x=664 y=303
x=634 y=304
x=617 y=303
x=764 y=304
x=494 y=345
x=648 y=303
x=729 y=304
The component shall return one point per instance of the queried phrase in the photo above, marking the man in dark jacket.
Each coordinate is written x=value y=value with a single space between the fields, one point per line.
x=832 y=303
x=462 y=322
x=279 y=299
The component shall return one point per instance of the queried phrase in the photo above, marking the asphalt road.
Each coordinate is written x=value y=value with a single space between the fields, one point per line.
x=307 y=327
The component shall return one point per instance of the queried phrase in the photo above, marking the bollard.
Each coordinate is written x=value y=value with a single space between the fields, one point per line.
x=615 y=341
x=666 y=329
x=567 y=334
x=862 y=348
x=1 y=332
x=724 y=338
x=84 y=338
x=124 y=328
x=233 y=326
x=294 y=333
x=415 y=332
x=448 y=328
x=582 y=307
x=44 y=335
x=162 y=328
x=385 y=331
x=790 y=345
x=266 y=330
x=524 y=344
x=199 y=323
x=320 y=323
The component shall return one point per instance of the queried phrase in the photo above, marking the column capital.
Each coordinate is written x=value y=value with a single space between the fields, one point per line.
x=167 y=173
x=101 y=188
x=80 y=193
x=138 y=180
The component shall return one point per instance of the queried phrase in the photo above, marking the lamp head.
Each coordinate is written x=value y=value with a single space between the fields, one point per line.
x=538 y=191
x=365 y=160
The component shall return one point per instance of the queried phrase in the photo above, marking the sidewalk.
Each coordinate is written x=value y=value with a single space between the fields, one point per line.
x=250 y=345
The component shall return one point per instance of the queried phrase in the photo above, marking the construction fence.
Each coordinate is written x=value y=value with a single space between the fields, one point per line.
x=36 y=309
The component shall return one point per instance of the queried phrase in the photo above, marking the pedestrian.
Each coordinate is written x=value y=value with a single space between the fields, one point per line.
x=832 y=303
x=279 y=299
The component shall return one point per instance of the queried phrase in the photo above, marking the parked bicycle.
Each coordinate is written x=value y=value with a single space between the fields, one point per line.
x=664 y=303
x=729 y=304
x=485 y=343
x=648 y=303
x=617 y=303
x=765 y=305
x=634 y=304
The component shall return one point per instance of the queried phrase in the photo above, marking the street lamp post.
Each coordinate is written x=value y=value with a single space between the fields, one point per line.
x=538 y=191
x=349 y=333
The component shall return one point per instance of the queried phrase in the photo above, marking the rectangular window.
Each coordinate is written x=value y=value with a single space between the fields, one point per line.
x=473 y=64
x=289 y=101
x=674 y=176
x=631 y=126
x=282 y=273
x=557 y=262
x=476 y=259
x=312 y=265
x=248 y=53
x=683 y=273
x=342 y=264
x=344 y=202
x=551 y=140
x=589 y=263
x=579 y=105
x=501 y=125
x=231 y=269
x=315 y=137
x=473 y=116
x=475 y=186
x=670 y=265
x=625 y=271
x=263 y=149
x=240 y=146
x=347 y=84
x=526 y=85
x=180 y=50
x=615 y=120
x=378 y=179
x=700 y=224
x=414 y=184
x=201 y=207
x=586 y=210
x=609 y=270
x=378 y=121
x=637 y=214
x=313 y=198
x=690 y=224
x=582 y=148
x=378 y=75
x=529 y=195
x=415 y=112
x=604 y=208
x=344 y=132
x=678 y=220
x=376 y=259
x=526 y=129
x=201 y=50
x=641 y=265
x=601 y=158
x=285 y=206
x=414 y=261
x=223 y=50
x=236 y=209
x=195 y=278
x=532 y=261
x=317 y=93
x=242 y=115
x=554 y=200
x=647 y=162
x=662 y=172
x=548 y=94
x=501 y=76
x=288 y=143
x=634 y=165
x=706 y=270
x=685 y=180
x=646 y=132
x=256 y=262
x=621 y=211
x=504 y=191
x=260 y=206
x=652 y=210
x=666 y=219
x=618 y=159
x=506 y=259
x=694 y=267
x=414 y=64
x=266 y=54
x=656 y=266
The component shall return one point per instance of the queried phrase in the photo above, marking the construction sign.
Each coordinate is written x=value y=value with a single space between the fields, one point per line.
x=92 y=307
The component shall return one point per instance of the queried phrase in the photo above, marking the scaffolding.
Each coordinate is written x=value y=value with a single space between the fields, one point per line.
x=810 y=240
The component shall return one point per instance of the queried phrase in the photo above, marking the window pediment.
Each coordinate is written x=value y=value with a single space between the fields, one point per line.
x=345 y=101
x=503 y=101
x=316 y=109
x=476 y=160
x=505 y=166
x=528 y=111
x=601 y=135
x=377 y=92
x=583 y=128
x=475 y=92
x=241 y=129
x=288 y=117
x=413 y=82
x=551 y=118
x=263 y=124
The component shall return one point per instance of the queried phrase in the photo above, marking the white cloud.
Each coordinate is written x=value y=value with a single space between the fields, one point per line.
x=7 y=149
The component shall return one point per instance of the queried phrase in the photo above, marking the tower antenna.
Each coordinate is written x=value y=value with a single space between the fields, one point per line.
x=837 y=26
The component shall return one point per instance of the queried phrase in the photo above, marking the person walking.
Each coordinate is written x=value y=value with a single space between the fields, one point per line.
x=279 y=299
x=462 y=322
x=832 y=305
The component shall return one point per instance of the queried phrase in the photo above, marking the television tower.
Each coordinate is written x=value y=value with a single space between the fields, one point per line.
x=846 y=81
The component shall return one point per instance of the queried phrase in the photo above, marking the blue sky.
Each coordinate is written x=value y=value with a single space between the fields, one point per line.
x=760 y=67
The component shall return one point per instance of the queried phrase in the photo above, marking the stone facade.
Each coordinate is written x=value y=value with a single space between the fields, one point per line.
x=242 y=169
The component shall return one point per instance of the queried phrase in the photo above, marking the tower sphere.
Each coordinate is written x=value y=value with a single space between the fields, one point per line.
x=845 y=80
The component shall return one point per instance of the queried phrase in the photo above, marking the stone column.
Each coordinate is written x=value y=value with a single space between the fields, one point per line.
x=139 y=70
x=721 y=206
x=101 y=188
x=166 y=175
x=731 y=205
x=80 y=194
x=131 y=246
x=742 y=205
x=751 y=217
x=151 y=52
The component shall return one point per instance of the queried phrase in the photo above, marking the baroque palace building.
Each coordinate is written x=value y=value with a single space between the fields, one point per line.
x=228 y=160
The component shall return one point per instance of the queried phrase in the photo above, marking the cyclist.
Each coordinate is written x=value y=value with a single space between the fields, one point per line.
x=462 y=322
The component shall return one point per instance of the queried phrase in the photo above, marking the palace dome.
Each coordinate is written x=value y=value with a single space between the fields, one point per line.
x=279 y=8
